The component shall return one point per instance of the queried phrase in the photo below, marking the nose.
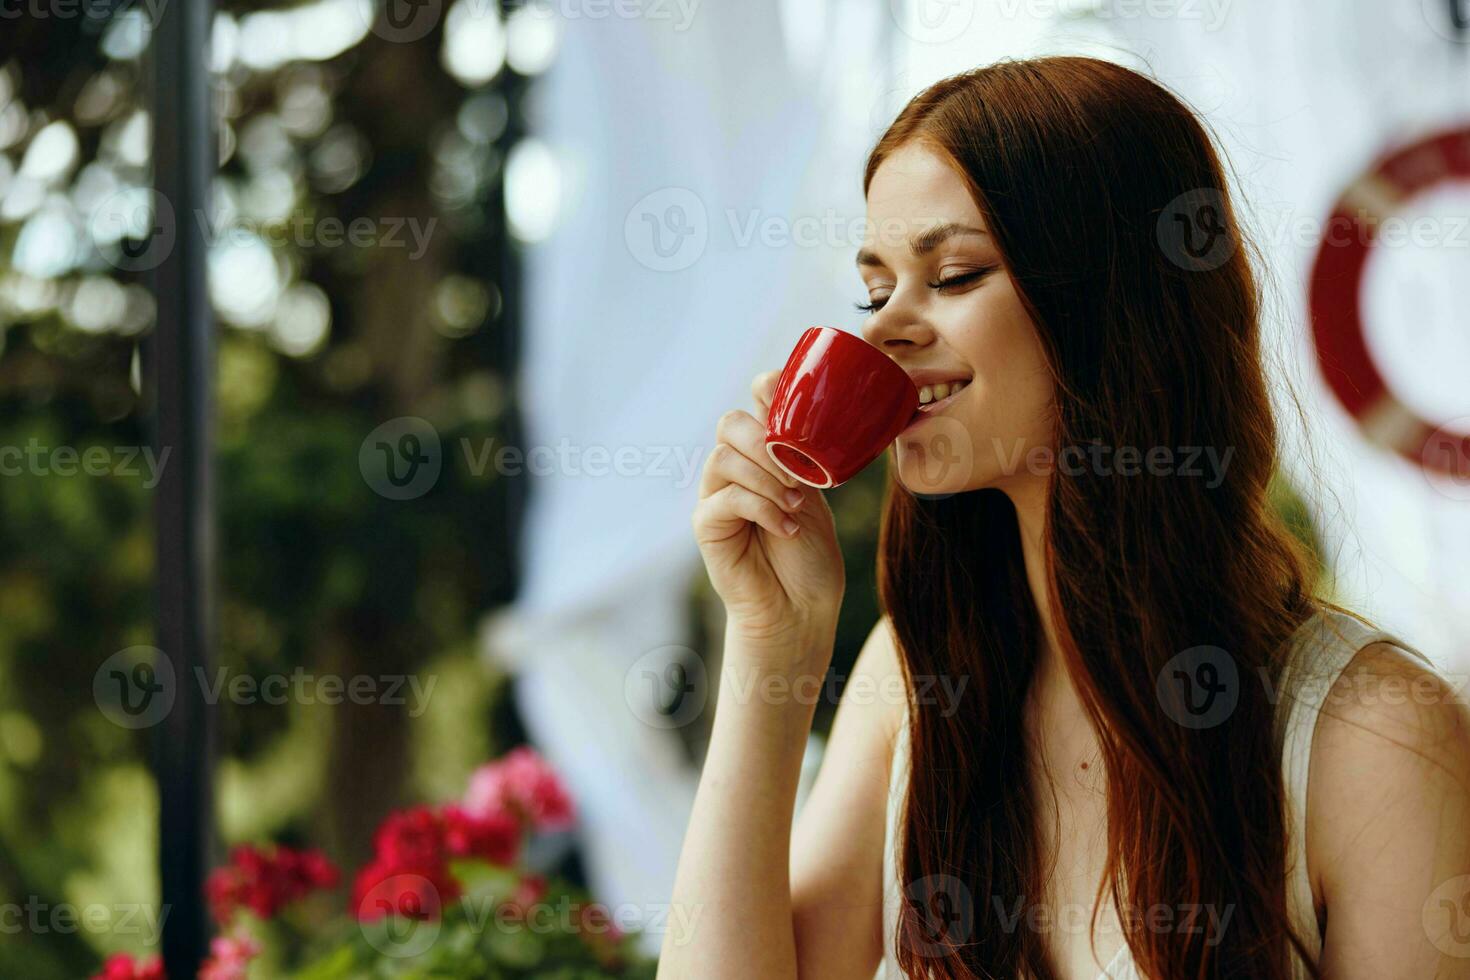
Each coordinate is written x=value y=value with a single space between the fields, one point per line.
x=896 y=331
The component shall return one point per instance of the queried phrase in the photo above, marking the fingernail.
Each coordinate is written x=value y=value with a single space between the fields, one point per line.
x=794 y=498
x=790 y=526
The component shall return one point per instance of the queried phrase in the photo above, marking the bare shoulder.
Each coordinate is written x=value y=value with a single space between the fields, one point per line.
x=1388 y=811
x=1389 y=703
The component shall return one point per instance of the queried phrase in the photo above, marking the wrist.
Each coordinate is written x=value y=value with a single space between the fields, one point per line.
x=796 y=646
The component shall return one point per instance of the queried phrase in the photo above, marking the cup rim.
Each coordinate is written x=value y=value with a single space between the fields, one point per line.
x=771 y=445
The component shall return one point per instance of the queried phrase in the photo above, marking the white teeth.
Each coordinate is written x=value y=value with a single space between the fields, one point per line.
x=936 y=393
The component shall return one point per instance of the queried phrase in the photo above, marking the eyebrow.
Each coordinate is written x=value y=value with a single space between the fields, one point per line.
x=924 y=242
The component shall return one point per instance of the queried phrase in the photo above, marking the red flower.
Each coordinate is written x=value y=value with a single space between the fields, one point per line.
x=495 y=837
x=409 y=874
x=265 y=882
x=121 y=966
x=409 y=891
x=523 y=784
x=409 y=838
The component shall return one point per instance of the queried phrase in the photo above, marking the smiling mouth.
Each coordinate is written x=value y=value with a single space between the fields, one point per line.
x=937 y=404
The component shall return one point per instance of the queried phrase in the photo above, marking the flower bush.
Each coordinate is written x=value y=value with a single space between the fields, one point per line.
x=447 y=894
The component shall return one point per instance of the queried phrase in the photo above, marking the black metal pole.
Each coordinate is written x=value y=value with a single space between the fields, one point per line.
x=184 y=163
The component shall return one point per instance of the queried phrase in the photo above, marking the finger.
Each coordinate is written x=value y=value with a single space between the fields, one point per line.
x=741 y=430
x=727 y=511
x=761 y=389
x=726 y=465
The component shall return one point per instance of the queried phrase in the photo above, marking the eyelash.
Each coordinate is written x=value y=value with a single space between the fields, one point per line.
x=963 y=279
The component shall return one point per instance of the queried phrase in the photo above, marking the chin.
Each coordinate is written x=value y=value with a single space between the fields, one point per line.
x=926 y=474
x=937 y=458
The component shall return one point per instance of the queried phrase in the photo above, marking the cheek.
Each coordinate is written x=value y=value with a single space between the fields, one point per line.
x=1007 y=414
x=1012 y=380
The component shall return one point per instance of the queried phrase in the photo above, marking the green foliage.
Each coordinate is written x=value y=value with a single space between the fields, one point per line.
x=480 y=936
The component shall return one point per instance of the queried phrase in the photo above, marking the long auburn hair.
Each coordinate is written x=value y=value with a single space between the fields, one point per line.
x=1072 y=161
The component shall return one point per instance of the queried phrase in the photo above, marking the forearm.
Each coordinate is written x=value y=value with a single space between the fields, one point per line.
x=734 y=880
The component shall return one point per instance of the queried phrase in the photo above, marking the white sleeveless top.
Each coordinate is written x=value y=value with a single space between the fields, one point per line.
x=1320 y=650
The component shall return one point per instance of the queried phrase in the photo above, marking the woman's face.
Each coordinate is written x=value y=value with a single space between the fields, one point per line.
x=945 y=308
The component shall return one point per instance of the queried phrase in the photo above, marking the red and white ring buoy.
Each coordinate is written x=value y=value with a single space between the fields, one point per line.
x=1335 y=302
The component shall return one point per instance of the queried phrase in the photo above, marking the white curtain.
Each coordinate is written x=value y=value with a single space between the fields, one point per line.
x=710 y=176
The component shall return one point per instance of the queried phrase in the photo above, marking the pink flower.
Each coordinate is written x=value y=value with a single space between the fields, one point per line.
x=520 y=783
x=121 y=966
x=229 y=957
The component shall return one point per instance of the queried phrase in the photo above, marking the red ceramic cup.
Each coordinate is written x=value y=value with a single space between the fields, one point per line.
x=838 y=404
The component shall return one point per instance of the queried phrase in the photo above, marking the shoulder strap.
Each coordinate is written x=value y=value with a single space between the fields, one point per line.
x=1319 y=652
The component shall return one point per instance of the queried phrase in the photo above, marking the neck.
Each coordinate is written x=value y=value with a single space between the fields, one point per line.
x=1055 y=715
x=1029 y=501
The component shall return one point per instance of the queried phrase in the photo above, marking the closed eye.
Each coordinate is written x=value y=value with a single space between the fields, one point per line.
x=947 y=283
x=962 y=279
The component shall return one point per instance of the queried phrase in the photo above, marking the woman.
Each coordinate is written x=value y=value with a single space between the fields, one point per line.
x=1120 y=788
